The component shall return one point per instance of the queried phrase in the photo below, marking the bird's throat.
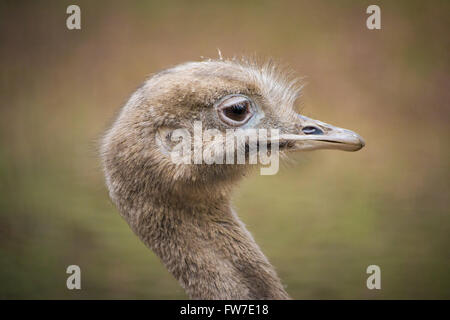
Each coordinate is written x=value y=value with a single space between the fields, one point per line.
x=208 y=249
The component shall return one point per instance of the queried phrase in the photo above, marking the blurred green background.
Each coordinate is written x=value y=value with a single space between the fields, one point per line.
x=321 y=220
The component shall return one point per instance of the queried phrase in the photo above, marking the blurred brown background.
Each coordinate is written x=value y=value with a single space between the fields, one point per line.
x=321 y=220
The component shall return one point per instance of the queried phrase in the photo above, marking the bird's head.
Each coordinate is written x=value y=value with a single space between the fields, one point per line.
x=220 y=96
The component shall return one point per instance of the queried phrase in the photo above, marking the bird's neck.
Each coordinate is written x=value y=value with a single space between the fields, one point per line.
x=208 y=249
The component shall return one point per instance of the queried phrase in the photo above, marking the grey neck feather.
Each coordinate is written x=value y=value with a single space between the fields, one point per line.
x=207 y=248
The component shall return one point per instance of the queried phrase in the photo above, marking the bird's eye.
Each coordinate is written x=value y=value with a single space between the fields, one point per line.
x=235 y=111
x=312 y=130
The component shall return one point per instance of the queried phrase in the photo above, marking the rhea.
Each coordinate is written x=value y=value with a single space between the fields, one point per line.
x=182 y=211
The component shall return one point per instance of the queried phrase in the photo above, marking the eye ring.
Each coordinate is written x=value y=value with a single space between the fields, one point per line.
x=235 y=110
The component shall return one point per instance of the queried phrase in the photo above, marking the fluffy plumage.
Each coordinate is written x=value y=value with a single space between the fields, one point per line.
x=182 y=211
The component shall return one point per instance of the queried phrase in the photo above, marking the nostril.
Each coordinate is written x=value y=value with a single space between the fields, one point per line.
x=312 y=130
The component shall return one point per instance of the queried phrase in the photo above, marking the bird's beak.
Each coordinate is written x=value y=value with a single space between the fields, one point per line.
x=314 y=134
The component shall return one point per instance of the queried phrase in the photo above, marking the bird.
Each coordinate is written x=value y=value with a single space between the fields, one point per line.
x=182 y=211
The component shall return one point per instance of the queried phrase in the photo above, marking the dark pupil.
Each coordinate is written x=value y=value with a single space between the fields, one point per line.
x=237 y=112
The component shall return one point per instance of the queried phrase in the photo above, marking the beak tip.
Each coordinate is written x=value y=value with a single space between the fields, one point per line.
x=362 y=141
x=361 y=144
